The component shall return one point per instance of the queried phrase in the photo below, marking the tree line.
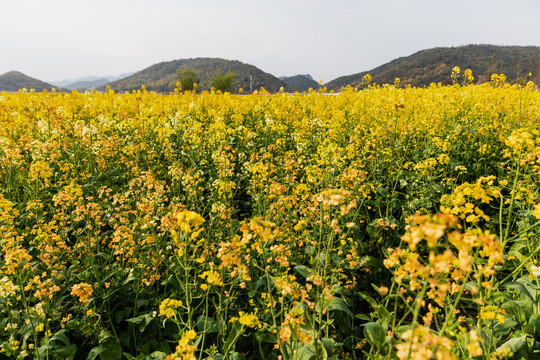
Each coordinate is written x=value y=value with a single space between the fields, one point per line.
x=189 y=78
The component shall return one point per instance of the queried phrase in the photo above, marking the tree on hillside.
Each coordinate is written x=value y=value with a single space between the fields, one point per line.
x=221 y=82
x=187 y=78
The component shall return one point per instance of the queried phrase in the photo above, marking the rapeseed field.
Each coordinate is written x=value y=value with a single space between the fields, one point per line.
x=386 y=222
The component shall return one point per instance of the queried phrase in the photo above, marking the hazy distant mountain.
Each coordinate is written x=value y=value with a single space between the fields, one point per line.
x=435 y=65
x=89 y=82
x=162 y=77
x=300 y=83
x=13 y=81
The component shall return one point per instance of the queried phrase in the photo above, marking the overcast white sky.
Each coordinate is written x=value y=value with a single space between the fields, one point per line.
x=63 y=39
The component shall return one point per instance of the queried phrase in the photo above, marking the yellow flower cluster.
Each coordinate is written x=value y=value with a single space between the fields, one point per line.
x=466 y=199
x=7 y=288
x=184 y=350
x=212 y=277
x=492 y=312
x=474 y=347
x=250 y=320
x=536 y=211
x=83 y=291
x=40 y=170
x=444 y=272
x=168 y=306
x=188 y=221
x=423 y=344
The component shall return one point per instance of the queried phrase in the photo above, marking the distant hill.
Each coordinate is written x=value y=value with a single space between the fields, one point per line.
x=70 y=83
x=300 y=83
x=435 y=65
x=13 y=81
x=87 y=85
x=162 y=77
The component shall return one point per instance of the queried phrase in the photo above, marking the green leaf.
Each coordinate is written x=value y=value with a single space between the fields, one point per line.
x=164 y=347
x=104 y=335
x=60 y=336
x=369 y=261
x=513 y=344
x=158 y=355
x=303 y=270
x=305 y=353
x=95 y=352
x=131 y=277
x=113 y=350
x=339 y=305
x=329 y=345
x=143 y=319
x=362 y=317
x=374 y=334
x=46 y=347
x=369 y=299
x=206 y=324
x=125 y=339
x=504 y=328
x=533 y=327
x=382 y=191
x=522 y=289
x=266 y=337
x=237 y=356
x=67 y=352
x=236 y=330
x=147 y=346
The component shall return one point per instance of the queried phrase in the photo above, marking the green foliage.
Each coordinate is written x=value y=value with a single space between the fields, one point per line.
x=223 y=83
x=187 y=78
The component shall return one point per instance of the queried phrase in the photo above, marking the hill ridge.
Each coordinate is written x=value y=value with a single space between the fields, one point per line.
x=161 y=77
x=13 y=81
x=435 y=65
x=419 y=69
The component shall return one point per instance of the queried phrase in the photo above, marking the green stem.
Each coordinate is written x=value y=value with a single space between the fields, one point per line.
x=512 y=199
x=226 y=352
x=454 y=305
x=205 y=322
x=271 y=299
x=524 y=231
x=416 y=312
x=523 y=263
x=34 y=332
x=135 y=308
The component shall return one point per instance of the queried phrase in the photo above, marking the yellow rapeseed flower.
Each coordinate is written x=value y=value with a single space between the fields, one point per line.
x=189 y=220
x=168 y=306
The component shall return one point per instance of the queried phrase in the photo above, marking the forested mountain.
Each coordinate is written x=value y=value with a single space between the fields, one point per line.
x=300 y=83
x=13 y=81
x=162 y=77
x=435 y=65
